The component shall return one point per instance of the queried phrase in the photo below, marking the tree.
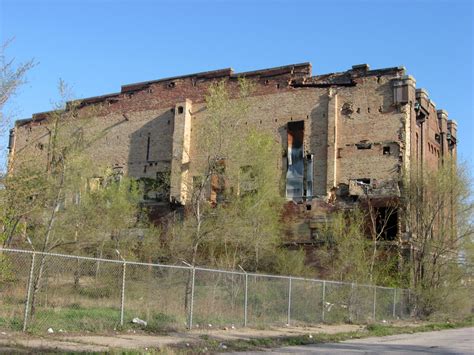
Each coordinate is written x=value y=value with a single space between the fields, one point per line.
x=60 y=199
x=234 y=205
x=12 y=76
x=382 y=222
x=233 y=216
x=346 y=253
x=439 y=220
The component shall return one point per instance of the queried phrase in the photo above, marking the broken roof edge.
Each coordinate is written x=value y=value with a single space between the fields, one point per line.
x=284 y=69
x=229 y=72
x=211 y=74
x=303 y=69
x=226 y=72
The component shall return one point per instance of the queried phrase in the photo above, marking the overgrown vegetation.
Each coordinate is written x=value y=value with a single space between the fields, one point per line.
x=439 y=221
x=61 y=200
x=240 y=224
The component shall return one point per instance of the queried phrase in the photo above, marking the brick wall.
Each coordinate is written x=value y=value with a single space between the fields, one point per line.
x=352 y=125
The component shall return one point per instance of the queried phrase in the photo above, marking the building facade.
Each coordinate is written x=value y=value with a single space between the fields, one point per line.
x=343 y=135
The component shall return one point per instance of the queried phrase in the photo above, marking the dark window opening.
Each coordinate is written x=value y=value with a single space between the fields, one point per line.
x=386 y=150
x=11 y=139
x=148 y=148
x=180 y=109
x=387 y=223
x=218 y=183
x=364 y=145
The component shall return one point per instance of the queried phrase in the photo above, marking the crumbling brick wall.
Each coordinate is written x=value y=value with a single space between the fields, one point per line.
x=359 y=125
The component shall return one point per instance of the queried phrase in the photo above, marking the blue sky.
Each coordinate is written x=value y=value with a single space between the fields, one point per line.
x=97 y=46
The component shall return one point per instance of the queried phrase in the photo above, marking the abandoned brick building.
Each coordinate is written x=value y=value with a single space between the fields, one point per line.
x=343 y=134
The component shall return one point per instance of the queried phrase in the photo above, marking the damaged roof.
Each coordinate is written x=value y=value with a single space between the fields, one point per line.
x=297 y=75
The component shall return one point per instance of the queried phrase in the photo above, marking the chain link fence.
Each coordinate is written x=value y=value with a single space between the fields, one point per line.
x=39 y=291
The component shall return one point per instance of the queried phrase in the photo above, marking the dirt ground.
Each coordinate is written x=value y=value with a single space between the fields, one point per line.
x=58 y=342
x=63 y=342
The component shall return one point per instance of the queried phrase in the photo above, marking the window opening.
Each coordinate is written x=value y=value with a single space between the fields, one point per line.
x=364 y=145
x=148 y=148
x=295 y=164
x=218 y=182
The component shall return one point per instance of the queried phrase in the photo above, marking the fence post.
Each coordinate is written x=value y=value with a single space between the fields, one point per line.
x=28 y=291
x=122 y=294
x=394 y=301
x=324 y=300
x=192 y=298
x=289 y=301
x=375 y=302
x=246 y=298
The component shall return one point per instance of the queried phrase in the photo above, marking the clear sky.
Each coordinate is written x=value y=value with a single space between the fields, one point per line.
x=97 y=46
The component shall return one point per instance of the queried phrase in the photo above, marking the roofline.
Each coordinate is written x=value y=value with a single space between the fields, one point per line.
x=303 y=69
x=206 y=74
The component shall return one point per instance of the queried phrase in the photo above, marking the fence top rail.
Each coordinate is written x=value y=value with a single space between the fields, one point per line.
x=78 y=257
x=93 y=259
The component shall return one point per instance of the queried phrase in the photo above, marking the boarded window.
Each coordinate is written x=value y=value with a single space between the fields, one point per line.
x=295 y=169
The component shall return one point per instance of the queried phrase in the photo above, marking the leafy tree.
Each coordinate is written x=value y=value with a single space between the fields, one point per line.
x=440 y=223
x=346 y=255
x=233 y=216
x=241 y=217
x=61 y=200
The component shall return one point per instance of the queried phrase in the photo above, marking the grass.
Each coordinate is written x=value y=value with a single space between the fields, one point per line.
x=14 y=323
x=89 y=319
x=74 y=319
